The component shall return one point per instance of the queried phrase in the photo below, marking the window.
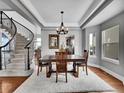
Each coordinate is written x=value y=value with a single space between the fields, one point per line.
x=92 y=44
x=5 y=39
x=110 y=43
x=38 y=42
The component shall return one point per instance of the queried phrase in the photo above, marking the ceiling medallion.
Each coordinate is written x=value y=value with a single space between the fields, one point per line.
x=62 y=29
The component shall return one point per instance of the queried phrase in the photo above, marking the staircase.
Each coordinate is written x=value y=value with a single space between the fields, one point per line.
x=18 y=62
x=20 y=39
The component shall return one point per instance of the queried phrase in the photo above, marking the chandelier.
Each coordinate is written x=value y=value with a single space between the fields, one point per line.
x=62 y=29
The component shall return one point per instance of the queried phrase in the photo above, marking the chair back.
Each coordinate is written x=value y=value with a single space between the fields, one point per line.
x=37 y=56
x=61 y=65
x=61 y=53
x=85 y=55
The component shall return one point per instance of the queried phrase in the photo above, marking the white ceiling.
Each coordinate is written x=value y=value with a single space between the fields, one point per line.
x=47 y=12
x=4 y=6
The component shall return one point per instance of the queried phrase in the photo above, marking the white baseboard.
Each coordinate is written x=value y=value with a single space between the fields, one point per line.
x=119 y=77
x=94 y=65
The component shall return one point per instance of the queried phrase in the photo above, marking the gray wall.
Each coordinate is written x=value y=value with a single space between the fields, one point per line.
x=95 y=29
x=117 y=68
x=78 y=41
x=83 y=39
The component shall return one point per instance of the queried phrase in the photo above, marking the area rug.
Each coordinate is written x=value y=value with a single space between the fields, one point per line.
x=84 y=83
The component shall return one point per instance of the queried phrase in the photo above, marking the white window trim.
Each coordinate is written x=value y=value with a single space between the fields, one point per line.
x=92 y=56
x=106 y=58
x=110 y=60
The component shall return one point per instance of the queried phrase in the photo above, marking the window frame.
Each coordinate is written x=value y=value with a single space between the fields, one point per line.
x=93 y=56
x=114 y=61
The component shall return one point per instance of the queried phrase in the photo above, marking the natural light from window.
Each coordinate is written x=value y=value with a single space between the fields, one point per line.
x=110 y=44
x=38 y=42
x=92 y=44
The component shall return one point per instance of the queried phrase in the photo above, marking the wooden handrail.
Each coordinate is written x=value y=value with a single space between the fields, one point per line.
x=15 y=31
x=27 y=45
x=10 y=28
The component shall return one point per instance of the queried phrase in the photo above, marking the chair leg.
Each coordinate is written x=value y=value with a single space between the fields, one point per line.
x=83 y=68
x=37 y=70
x=86 y=69
x=40 y=68
x=77 y=71
x=46 y=70
x=56 y=77
x=66 y=77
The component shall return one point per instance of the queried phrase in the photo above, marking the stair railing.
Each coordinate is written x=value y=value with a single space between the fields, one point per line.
x=24 y=31
x=9 y=26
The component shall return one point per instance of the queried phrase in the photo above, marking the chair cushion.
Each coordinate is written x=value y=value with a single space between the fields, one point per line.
x=43 y=64
x=79 y=63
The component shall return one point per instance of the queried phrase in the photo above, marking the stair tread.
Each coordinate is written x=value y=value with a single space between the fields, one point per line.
x=18 y=61
x=17 y=58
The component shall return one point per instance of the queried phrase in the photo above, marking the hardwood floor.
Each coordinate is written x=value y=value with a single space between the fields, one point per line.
x=8 y=85
x=115 y=83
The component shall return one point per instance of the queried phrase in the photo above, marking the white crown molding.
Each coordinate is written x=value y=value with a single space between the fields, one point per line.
x=58 y=24
x=35 y=13
x=90 y=10
x=96 y=11
x=16 y=5
x=54 y=29
x=6 y=10
x=28 y=9
x=31 y=8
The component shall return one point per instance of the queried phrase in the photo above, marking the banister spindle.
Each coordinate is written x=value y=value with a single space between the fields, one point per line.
x=11 y=22
x=0 y=58
x=1 y=17
x=28 y=59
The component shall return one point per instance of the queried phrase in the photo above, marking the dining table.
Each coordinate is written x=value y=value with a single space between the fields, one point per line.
x=69 y=58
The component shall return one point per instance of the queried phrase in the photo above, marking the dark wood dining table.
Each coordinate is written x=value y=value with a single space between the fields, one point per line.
x=69 y=58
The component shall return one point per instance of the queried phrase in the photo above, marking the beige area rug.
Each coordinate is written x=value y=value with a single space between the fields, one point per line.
x=41 y=84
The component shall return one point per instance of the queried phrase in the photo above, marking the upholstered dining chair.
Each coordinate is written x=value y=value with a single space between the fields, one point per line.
x=40 y=64
x=61 y=65
x=84 y=63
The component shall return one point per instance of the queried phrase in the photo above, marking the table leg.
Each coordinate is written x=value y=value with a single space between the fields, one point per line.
x=74 y=70
x=50 y=70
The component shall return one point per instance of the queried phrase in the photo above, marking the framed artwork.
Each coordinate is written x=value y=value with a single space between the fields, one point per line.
x=70 y=44
x=53 y=41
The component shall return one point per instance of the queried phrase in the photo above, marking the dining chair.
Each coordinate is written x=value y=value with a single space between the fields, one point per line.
x=43 y=64
x=61 y=65
x=83 y=63
x=39 y=63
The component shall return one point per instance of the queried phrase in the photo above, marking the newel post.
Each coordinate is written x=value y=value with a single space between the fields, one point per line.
x=28 y=59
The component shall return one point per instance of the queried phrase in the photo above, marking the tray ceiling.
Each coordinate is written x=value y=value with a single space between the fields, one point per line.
x=4 y=6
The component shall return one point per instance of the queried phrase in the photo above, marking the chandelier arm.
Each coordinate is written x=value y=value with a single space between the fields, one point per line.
x=62 y=30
